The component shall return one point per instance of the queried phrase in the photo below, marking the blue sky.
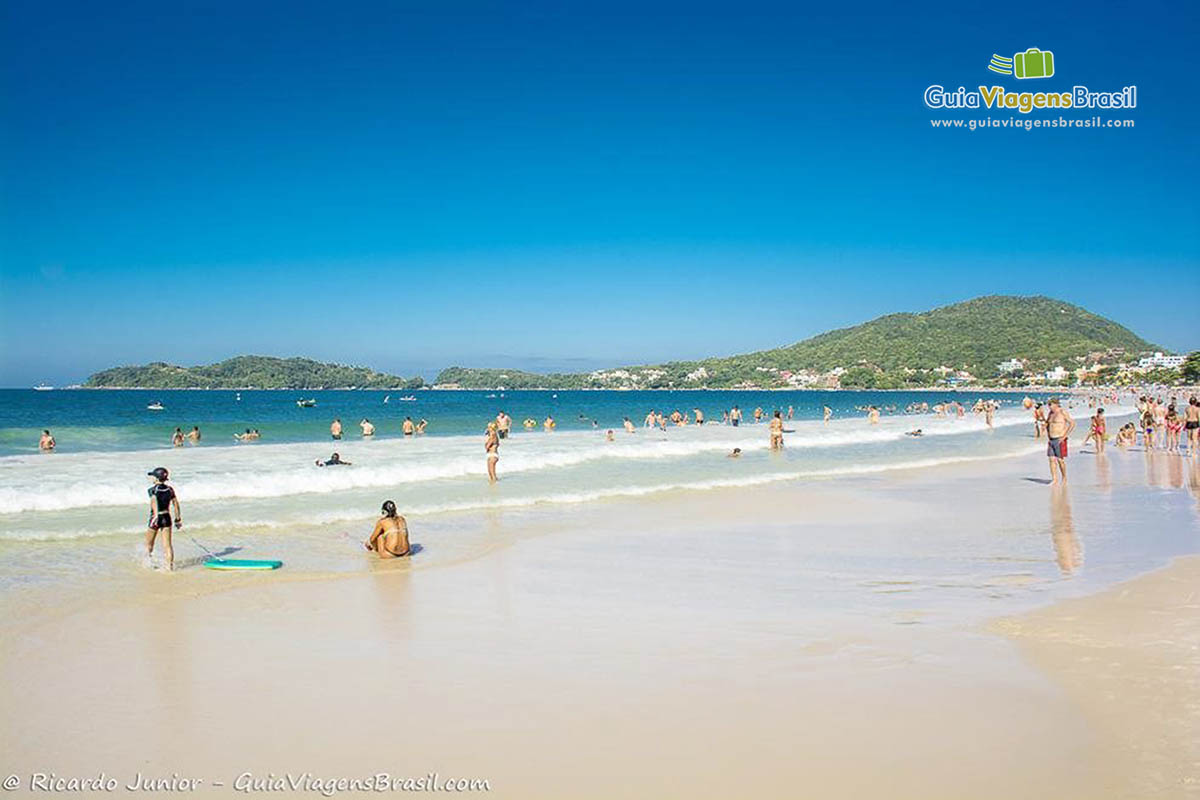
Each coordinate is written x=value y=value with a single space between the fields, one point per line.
x=412 y=185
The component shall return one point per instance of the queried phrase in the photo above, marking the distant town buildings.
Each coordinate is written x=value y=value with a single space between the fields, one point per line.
x=1012 y=365
x=1161 y=360
x=1056 y=375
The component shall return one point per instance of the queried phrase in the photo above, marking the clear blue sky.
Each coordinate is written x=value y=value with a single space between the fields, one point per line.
x=409 y=185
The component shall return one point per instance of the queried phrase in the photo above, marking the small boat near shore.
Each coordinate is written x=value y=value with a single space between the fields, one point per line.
x=407 y=399
x=309 y=403
x=155 y=406
x=41 y=387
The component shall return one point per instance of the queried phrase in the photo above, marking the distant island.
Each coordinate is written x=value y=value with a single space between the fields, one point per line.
x=250 y=372
x=990 y=341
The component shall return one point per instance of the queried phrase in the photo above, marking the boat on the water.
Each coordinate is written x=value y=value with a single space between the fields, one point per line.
x=309 y=403
x=41 y=387
x=155 y=406
x=408 y=399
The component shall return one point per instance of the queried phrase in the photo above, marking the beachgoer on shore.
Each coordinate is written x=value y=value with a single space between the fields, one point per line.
x=1059 y=426
x=390 y=536
x=163 y=500
x=491 y=446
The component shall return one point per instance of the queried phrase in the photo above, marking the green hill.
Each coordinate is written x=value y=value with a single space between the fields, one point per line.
x=888 y=352
x=249 y=372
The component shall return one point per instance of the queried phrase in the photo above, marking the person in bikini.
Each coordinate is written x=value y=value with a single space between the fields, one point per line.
x=1039 y=421
x=1098 y=431
x=1174 y=426
x=390 y=537
x=47 y=444
x=491 y=446
x=777 y=431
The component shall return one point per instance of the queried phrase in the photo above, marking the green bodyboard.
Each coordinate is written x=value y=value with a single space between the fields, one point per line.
x=241 y=563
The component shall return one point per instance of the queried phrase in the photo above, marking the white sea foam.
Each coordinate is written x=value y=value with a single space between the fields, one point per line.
x=60 y=496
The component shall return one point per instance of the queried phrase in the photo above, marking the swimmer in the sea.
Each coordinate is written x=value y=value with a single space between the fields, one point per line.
x=367 y=428
x=777 y=431
x=194 y=435
x=629 y=426
x=335 y=429
x=917 y=432
x=390 y=537
x=409 y=427
x=334 y=460
x=46 y=444
x=737 y=453
x=177 y=438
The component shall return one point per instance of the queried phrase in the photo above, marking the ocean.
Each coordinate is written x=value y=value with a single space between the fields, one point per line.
x=269 y=498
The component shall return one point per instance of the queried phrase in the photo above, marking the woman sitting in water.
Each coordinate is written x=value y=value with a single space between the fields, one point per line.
x=390 y=537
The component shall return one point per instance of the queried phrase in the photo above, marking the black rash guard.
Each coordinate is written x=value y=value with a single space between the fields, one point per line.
x=162 y=495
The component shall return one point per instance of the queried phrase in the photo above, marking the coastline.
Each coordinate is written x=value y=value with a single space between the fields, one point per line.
x=609 y=648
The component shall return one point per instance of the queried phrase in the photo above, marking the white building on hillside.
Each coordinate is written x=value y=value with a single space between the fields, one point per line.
x=1012 y=365
x=1056 y=374
x=1160 y=360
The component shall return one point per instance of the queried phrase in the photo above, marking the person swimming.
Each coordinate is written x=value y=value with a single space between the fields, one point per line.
x=390 y=536
x=917 y=432
x=334 y=460
x=46 y=443
x=737 y=453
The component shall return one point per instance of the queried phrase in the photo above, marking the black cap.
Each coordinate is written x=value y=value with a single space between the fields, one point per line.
x=159 y=472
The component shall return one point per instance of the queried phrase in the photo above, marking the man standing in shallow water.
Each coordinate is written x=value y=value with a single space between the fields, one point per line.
x=1059 y=425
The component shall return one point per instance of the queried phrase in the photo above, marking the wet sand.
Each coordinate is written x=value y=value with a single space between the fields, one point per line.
x=679 y=646
x=1129 y=658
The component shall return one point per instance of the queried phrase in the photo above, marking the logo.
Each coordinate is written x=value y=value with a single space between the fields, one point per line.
x=1033 y=63
x=1026 y=65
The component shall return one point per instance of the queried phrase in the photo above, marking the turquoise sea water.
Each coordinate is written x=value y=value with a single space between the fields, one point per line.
x=73 y=520
x=107 y=420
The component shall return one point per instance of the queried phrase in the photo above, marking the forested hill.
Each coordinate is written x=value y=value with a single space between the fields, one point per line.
x=897 y=349
x=249 y=372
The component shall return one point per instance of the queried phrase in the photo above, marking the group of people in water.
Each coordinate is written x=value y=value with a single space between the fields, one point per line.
x=1160 y=424
x=367 y=428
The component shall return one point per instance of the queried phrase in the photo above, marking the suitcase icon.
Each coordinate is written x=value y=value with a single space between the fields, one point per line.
x=1033 y=63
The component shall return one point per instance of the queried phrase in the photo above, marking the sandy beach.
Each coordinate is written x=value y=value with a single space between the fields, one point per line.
x=690 y=644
